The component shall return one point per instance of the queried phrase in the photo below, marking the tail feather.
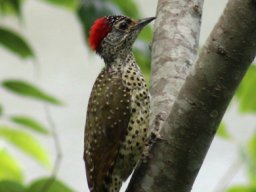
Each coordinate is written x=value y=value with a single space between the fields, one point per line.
x=114 y=185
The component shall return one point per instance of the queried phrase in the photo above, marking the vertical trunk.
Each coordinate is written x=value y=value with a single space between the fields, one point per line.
x=174 y=50
x=189 y=129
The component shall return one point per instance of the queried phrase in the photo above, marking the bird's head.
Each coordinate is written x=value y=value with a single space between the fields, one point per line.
x=111 y=34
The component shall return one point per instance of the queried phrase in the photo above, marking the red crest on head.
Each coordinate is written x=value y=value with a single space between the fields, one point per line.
x=98 y=31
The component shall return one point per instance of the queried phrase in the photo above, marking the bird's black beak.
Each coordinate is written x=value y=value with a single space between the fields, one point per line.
x=143 y=22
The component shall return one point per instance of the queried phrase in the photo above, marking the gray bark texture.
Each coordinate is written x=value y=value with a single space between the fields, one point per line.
x=193 y=119
x=174 y=50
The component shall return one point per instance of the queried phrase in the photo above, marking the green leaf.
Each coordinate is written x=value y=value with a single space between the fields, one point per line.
x=55 y=186
x=29 y=90
x=245 y=93
x=11 y=186
x=9 y=168
x=26 y=143
x=222 y=131
x=69 y=4
x=10 y=7
x=241 y=188
x=128 y=8
x=30 y=123
x=146 y=34
x=15 y=43
x=251 y=158
x=252 y=147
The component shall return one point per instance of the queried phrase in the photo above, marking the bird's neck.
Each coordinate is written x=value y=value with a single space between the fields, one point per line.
x=122 y=58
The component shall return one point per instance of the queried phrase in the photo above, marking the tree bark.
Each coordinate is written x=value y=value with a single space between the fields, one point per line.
x=174 y=50
x=189 y=129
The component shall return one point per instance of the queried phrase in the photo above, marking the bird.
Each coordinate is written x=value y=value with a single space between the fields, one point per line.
x=117 y=120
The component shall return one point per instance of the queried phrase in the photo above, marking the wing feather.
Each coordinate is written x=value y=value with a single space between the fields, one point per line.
x=108 y=115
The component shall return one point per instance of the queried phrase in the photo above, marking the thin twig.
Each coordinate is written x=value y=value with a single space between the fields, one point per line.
x=228 y=176
x=55 y=136
x=58 y=150
x=36 y=69
x=56 y=166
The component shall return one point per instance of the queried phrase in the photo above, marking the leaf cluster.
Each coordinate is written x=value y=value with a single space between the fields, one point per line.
x=20 y=131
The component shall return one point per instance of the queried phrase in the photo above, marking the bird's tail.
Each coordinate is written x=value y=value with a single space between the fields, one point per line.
x=114 y=184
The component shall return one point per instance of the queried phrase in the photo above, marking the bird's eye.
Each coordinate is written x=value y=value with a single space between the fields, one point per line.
x=123 y=26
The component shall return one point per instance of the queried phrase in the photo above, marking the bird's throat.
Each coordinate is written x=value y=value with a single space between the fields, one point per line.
x=119 y=60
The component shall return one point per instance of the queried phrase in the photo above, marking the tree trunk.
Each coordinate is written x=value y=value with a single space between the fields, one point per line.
x=174 y=50
x=192 y=121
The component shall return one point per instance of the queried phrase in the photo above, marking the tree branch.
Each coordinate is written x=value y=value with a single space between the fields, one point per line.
x=201 y=103
x=226 y=179
x=174 y=49
x=58 y=151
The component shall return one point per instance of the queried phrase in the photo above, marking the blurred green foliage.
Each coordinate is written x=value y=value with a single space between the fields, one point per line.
x=9 y=7
x=222 y=131
x=241 y=188
x=26 y=89
x=10 y=168
x=25 y=142
x=69 y=4
x=11 y=186
x=56 y=186
x=246 y=92
x=251 y=157
x=18 y=131
x=29 y=123
x=39 y=185
x=15 y=43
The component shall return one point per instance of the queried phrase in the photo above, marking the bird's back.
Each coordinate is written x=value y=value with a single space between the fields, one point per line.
x=108 y=115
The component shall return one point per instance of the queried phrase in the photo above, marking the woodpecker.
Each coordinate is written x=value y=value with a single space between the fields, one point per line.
x=117 y=122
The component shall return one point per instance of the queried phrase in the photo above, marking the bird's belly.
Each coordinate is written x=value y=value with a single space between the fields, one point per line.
x=133 y=145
